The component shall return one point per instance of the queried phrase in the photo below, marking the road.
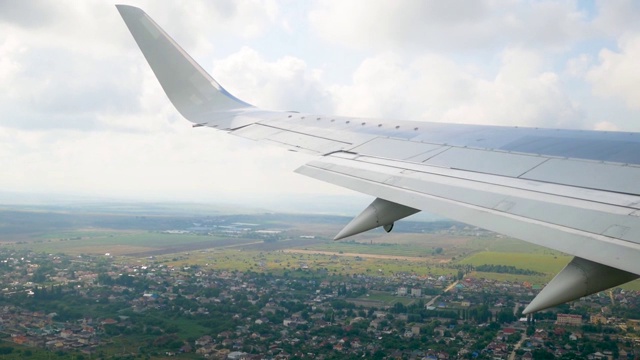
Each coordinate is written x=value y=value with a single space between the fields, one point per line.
x=369 y=256
x=512 y=356
x=432 y=301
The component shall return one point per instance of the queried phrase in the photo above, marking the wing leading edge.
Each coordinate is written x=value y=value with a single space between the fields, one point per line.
x=572 y=191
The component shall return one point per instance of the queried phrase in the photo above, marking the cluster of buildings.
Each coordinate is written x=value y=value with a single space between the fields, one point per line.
x=37 y=329
x=304 y=314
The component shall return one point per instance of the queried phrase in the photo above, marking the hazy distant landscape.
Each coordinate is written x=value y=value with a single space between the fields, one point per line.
x=142 y=230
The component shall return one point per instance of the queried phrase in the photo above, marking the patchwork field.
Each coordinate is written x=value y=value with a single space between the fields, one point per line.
x=133 y=243
x=243 y=260
x=541 y=263
x=279 y=242
x=380 y=299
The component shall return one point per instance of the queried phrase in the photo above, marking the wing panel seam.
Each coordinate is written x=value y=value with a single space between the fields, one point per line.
x=303 y=133
x=510 y=186
x=479 y=207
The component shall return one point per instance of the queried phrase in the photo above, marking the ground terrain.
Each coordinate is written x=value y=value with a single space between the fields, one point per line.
x=268 y=241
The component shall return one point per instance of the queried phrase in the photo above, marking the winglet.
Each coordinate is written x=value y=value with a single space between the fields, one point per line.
x=193 y=92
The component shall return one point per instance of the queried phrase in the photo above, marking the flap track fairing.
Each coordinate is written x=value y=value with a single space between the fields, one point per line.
x=581 y=277
x=379 y=213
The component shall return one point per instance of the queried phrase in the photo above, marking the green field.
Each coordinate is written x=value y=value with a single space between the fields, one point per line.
x=508 y=245
x=122 y=242
x=542 y=263
x=375 y=249
x=387 y=298
x=138 y=238
x=532 y=279
x=232 y=259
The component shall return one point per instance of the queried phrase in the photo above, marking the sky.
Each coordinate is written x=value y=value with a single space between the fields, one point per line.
x=81 y=113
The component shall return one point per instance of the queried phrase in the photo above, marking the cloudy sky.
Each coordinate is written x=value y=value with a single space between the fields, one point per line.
x=82 y=114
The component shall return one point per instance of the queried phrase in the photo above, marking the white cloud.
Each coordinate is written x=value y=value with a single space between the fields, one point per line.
x=434 y=88
x=193 y=164
x=617 y=17
x=200 y=25
x=10 y=50
x=381 y=87
x=606 y=126
x=284 y=84
x=35 y=13
x=617 y=74
x=62 y=66
x=447 y=25
x=522 y=93
x=579 y=65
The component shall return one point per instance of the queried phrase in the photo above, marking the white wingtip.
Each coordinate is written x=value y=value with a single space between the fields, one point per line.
x=193 y=92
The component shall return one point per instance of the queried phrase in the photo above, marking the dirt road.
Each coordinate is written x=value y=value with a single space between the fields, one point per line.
x=369 y=256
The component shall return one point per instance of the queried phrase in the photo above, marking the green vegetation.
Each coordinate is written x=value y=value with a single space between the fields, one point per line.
x=387 y=298
x=232 y=259
x=412 y=249
x=124 y=242
x=505 y=269
x=512 y=278
x=540 y=263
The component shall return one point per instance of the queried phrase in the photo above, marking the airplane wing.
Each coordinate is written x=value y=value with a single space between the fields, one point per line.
x=573 y=191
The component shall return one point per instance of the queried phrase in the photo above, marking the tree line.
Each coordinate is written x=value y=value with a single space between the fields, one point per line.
x=506 y=269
